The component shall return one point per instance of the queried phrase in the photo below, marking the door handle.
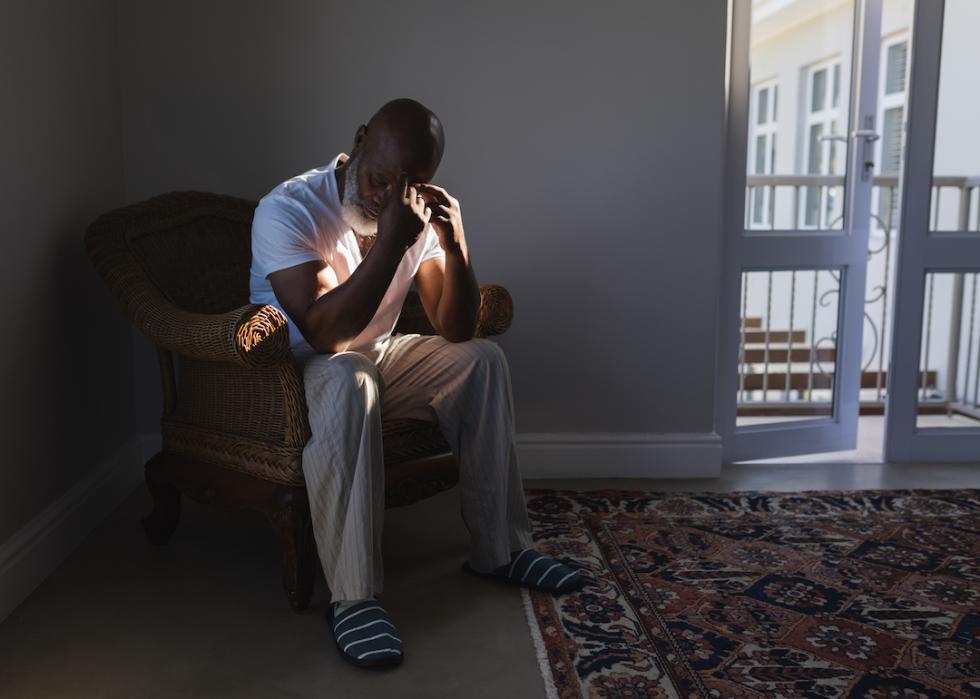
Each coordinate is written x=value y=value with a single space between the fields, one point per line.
x=869 y=136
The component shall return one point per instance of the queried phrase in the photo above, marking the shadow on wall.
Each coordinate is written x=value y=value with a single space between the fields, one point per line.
x=68 y=379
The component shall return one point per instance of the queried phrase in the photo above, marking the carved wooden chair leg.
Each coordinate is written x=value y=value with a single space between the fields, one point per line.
x=290 y=517
x=160 y=524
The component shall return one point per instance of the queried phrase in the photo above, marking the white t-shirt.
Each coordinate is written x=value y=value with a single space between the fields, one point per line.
x=300 y=221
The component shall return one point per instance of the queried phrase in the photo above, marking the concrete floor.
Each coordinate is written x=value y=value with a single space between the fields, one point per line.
x=205 y=616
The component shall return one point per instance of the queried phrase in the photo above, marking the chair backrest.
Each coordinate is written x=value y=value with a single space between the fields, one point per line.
x=195 y=247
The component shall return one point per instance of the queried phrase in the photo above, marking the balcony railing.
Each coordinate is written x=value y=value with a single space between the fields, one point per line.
x=788 y=338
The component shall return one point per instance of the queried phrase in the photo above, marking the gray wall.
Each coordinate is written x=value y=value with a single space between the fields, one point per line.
x=65 y=358
x=584 y=142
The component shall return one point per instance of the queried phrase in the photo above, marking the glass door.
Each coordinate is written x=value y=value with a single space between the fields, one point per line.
x=801 y=143
x=933 y=403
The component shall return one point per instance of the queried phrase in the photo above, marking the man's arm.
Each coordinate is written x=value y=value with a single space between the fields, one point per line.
x=448 y=289
x=331 y=314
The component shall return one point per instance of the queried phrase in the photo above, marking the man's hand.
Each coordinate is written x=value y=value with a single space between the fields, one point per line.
x=447 y=218
x=404 y=216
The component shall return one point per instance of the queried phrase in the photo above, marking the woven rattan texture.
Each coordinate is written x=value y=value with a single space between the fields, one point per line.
x=200 y=264
x=404 y=441
x=178 y=266
x=228 y=398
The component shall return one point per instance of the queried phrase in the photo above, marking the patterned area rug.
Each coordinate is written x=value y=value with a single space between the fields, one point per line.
x=831 y=594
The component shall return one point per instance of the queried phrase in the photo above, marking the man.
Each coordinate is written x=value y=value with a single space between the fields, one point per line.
x=342 y=307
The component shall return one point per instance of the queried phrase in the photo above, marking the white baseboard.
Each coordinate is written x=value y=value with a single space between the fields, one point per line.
x=595 y=454
x=41 y=545
x=619 y=455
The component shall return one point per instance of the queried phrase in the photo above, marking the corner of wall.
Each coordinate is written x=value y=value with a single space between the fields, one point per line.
x=41 y=545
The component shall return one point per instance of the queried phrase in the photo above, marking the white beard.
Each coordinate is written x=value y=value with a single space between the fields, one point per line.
x=350 y=206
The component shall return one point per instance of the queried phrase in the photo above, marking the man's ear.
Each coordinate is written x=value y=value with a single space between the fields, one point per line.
x=359 y=137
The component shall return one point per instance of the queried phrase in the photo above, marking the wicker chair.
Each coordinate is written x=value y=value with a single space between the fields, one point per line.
x=234 y=412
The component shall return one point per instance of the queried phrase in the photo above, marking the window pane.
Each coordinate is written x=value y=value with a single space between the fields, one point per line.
x=760 y=155
x=837 y=85
x=818 y=90
x=891 y=142
x=762 y=107
x=814 y=166
x=793 y=90
x=758 y=204
x=788 y=345
x=895 y=68
x=891 y=164
x=948 y=382
x=956 y=161
x=831 y=205
x=812 y=206
x=834 y=165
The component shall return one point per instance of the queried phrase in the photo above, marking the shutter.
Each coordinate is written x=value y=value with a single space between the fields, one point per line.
x=895 y=65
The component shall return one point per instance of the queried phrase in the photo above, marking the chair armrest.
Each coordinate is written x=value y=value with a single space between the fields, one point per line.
x=496 y=310
x=252 y=335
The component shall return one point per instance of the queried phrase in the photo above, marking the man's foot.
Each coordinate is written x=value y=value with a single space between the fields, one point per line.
x=529 y=568
x=364 y=634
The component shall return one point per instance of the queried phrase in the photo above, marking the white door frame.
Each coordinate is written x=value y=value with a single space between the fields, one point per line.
x=750 y=250
x=919 y=252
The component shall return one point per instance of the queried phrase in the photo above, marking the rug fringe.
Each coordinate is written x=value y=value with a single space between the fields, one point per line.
x=551 y=691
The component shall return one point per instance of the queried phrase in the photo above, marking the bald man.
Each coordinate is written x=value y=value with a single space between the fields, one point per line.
x=342 y=305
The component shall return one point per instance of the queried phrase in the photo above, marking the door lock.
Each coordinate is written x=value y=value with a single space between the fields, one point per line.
x=869 y=136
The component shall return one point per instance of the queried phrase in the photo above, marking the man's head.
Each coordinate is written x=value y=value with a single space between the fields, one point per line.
x=402 y=137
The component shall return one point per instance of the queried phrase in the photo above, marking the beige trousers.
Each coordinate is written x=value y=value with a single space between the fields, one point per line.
x=465 y=386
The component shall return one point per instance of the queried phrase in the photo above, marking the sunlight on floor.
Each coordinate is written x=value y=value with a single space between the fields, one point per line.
x=871 y=434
